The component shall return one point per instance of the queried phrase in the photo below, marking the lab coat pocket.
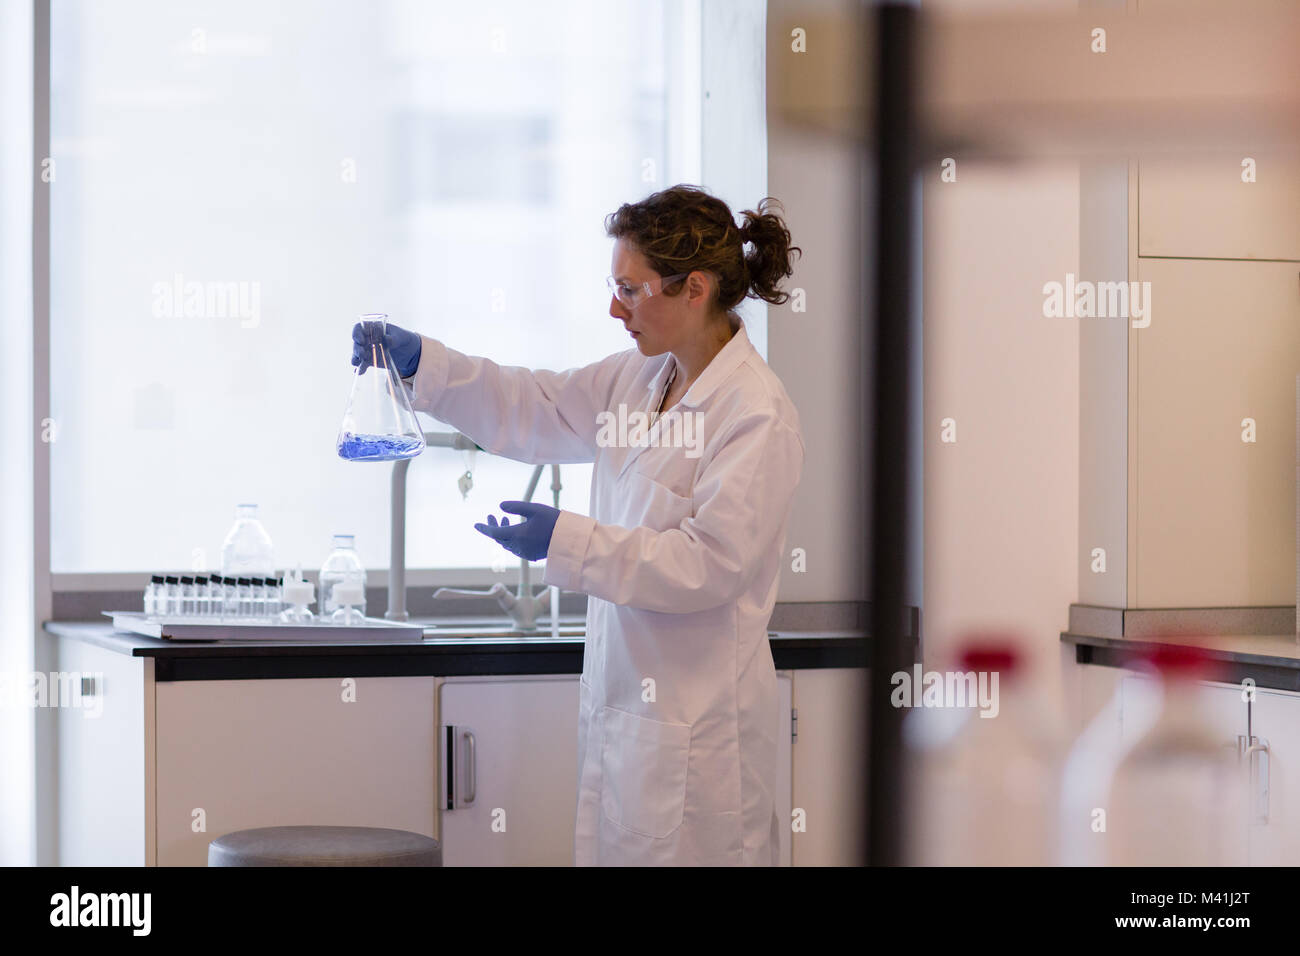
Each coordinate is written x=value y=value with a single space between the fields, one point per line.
x=643 y=772
x=647 y=503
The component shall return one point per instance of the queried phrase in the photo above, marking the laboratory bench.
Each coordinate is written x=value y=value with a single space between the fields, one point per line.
x=1270 y=660
x=435 y=656
x=170 y=743
x=1249 y=702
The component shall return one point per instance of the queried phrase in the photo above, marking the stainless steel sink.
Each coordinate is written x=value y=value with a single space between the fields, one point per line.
x=459 y=631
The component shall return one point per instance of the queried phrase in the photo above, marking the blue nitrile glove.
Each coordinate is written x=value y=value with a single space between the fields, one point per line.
x=531 y=538
x=403 y=346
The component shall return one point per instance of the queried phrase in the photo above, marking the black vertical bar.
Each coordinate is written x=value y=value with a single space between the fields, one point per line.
x=893 y=239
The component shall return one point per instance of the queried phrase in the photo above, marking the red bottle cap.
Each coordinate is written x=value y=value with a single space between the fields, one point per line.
x=990 y=652
x=1178 y=661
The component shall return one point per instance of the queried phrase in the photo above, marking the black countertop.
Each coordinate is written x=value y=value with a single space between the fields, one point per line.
x=1270 y=660
x=433 y=656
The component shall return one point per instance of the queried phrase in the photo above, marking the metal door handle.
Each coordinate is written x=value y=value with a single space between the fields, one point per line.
x=471 y=766
x=1259 y=780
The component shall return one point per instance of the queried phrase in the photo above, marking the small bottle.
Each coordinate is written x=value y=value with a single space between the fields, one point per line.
x=256 y=596
x=216 y=596
x=244 y=588
x=275 y=603
x=170 y=606
x=201 y=601
x=298 y=594
x=152 y=592
x=347 y=596
x=268 y=598
x=342 y=566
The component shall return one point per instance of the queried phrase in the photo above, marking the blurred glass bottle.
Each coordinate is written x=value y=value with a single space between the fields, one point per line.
x=379 y=424
x=1178 y=794
x=247 y=548
x=342 y=568
x=981 y=779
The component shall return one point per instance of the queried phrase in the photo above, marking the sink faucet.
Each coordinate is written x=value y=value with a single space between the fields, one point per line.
x=522 y=606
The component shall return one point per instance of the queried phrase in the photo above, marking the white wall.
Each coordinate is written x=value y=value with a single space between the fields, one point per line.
x=1001 y=503
x=816 y=353
x=16 y=431
x=1000 y=520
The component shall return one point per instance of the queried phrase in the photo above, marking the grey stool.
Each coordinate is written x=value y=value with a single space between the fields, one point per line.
x=324 y=846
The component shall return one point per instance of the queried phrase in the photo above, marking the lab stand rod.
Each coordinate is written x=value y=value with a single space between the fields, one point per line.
x=397 y=532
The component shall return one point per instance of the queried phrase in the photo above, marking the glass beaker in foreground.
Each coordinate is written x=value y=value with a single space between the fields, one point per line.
x=379 y=424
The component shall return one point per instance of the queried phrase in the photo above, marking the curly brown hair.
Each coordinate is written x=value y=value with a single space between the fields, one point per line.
x=684 y=229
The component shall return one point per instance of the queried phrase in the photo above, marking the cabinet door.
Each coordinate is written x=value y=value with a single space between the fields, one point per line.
x=1276 y=721
x=509 y=759
x=257 y=753
x=1098 y=707
x=104 y=758
x=1199 y=207
x=1222 y=707
x=827 y=767
x=1212 y=520
x=784 y=761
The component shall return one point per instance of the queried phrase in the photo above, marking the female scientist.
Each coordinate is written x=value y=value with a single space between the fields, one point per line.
x=697 y=453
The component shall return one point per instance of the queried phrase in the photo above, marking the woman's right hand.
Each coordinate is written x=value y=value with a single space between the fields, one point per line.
x=403 y=346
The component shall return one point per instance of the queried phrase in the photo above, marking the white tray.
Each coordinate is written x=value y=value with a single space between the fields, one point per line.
x=197 y=629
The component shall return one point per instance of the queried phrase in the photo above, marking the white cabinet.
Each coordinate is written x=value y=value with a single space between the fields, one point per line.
x=1222 y=707
x=1200 y=207
x=151 y=771
x=1213 y=517
x=785 y=761
x=508 y=786
x=105 y=761
x=1275 y=841
x=166 y=767
x=828 y=755
x=235 y=754
x=1273 y=719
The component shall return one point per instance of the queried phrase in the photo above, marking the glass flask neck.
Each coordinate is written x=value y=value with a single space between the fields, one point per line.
x=246 y=512
x=344 y=541
x=374 y=324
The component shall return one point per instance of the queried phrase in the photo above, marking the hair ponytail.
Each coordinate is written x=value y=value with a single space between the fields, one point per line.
x=684 y=229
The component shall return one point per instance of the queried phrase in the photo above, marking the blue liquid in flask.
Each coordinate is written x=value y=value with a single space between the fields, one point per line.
x=378 y=447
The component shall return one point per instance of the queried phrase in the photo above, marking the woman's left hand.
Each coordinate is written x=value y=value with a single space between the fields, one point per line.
x=530 y=539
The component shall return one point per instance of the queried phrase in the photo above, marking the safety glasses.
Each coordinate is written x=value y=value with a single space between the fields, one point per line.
x=633 y=294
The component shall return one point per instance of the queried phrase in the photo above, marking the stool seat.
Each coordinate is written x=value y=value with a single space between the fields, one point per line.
x=324 y=846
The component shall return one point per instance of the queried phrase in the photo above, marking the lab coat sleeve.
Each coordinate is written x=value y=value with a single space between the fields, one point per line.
x=741 y=498
x=534 y=416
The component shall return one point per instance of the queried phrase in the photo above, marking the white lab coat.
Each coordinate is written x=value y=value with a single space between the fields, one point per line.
x=677 y=723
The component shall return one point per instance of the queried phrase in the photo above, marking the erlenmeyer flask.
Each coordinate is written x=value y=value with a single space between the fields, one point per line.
x=379 y=424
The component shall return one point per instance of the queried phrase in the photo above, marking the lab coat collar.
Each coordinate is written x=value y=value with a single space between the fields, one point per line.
x=724 y=363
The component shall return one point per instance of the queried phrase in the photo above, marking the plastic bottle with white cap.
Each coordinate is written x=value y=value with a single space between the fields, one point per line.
x=343 y=583
x=298 y=594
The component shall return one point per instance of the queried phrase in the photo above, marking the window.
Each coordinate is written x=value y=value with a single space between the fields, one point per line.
x=235 y=183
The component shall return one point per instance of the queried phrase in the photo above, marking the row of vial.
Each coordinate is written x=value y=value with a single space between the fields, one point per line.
x=213 y=596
